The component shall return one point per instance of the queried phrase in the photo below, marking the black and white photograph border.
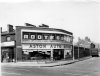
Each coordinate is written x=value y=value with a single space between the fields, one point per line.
x=49 y=37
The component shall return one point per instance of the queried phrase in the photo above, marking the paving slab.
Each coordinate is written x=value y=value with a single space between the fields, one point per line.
x=43 y=64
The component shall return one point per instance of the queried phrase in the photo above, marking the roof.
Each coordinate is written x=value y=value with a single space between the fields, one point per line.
x=46 y=29
x=8 y=33
x=37 y=28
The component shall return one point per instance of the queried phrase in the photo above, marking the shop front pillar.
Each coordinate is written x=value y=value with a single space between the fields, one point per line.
x=64 y=54
x=51 y=54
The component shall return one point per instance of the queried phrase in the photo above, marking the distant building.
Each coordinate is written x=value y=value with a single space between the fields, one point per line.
x=31 y=42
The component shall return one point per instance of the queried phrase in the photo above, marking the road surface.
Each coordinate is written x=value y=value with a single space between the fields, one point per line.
x=89 y=67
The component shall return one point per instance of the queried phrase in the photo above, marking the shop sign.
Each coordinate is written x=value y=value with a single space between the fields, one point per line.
x=10 y=43
x=44 y=36
x=45 y=46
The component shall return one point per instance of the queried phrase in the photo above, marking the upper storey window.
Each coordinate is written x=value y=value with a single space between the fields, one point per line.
x=8 y=38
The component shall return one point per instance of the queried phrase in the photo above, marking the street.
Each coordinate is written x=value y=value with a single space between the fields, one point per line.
x=89 y=67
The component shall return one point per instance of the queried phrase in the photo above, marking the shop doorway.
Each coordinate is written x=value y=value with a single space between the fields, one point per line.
x=7 y=54
x=58 y=54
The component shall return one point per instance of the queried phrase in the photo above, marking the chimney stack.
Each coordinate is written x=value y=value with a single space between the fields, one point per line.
x=28 y=24
x=10 y=28
x=44 y=26
x=1 y=29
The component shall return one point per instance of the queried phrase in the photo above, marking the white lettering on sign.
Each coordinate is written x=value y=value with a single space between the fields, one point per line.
x=65 y=38
x=55 y=46
x=46 y=37
x=62 y=38
x=44 y=46
x=51 y=37
x=58 y=37
x=37 y=46
x=39 y=36
x=32 y=36
x=25 y=36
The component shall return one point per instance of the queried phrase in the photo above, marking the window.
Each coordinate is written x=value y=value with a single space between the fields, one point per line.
x=71 y=39
x=68 y=38
x=8 y=38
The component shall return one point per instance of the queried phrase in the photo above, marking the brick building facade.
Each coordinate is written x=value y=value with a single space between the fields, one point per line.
x=30 y=42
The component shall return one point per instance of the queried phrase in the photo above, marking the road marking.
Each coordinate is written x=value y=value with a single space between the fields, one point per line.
x=11 y=73
x=73 y=74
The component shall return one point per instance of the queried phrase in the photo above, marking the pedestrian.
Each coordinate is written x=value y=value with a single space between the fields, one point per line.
x=2 y=58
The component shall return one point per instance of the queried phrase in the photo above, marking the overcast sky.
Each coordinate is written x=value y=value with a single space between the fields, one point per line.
x=82 y=17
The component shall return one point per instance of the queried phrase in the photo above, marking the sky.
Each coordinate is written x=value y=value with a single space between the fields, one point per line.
x=82 y=17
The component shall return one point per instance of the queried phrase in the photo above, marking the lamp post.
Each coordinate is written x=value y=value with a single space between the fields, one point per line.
x=73 y=49
x=73 y=53
x=78 y=51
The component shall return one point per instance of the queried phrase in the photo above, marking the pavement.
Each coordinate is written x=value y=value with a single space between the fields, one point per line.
x=84 y=67
x=43 y=64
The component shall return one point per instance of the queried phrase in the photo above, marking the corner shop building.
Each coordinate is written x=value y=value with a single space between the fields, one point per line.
x=28 y=42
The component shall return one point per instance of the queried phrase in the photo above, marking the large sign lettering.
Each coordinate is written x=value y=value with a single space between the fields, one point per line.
x=32 y=36
x=39 y=37
x=45 y=46
x=44 y=36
